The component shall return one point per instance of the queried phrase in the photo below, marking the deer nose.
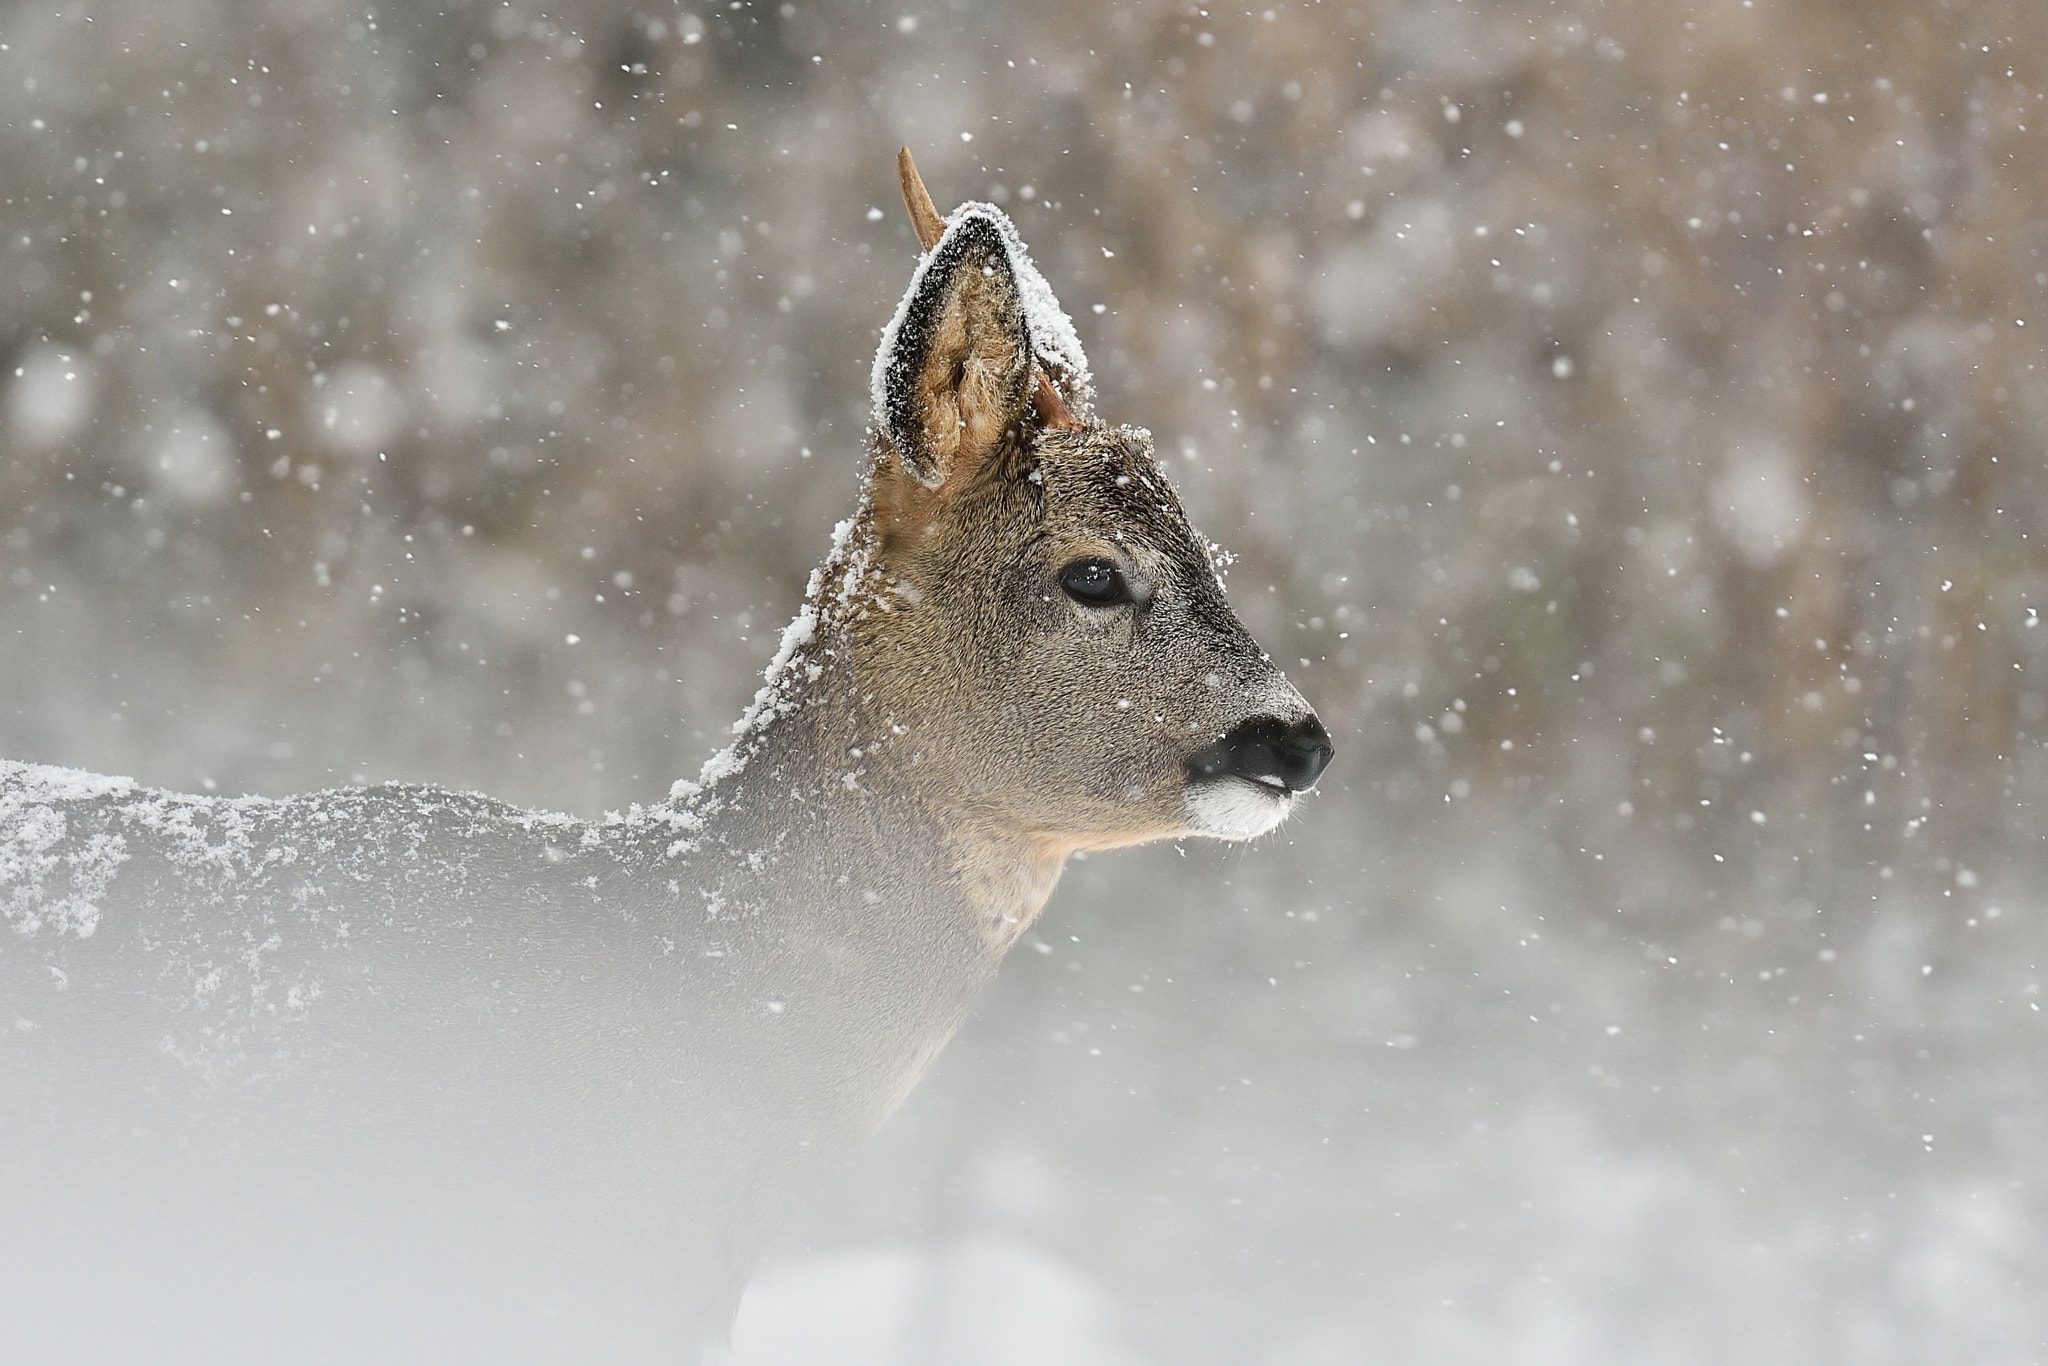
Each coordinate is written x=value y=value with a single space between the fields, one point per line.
x=1285 y=754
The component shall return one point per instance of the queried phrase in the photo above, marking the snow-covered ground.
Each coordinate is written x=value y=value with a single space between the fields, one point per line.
x=977 y=1301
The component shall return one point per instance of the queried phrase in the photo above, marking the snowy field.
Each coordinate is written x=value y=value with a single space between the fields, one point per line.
x=1629 y=419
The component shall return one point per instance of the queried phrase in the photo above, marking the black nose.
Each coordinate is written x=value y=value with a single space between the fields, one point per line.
x=1265 y=749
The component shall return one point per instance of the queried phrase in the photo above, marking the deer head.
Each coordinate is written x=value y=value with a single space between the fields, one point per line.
x=1044 y=632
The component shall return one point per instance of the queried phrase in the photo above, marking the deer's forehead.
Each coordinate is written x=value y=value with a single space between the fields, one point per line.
x=1111 y=478
x=1108 y=488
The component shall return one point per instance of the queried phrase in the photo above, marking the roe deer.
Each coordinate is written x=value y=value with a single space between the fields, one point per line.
x=400 y=1074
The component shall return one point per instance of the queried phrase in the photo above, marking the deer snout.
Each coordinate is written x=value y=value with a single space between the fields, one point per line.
x=1288 y=755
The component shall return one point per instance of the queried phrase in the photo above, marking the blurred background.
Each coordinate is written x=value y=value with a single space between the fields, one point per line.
x=1631 y=421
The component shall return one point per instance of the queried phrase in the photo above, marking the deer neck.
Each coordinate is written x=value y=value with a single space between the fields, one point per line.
x=832 y=780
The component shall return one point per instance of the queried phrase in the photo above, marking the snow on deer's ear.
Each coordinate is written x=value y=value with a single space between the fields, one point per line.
x=954 y=371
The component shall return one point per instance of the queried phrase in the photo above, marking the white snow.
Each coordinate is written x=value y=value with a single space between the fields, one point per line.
x=50 y=397
x=781 y=690
x=1761 y=502
x=193 y=462
x=50 y=880
x=984 y=1300
x=358 y=410
x=1052 y=331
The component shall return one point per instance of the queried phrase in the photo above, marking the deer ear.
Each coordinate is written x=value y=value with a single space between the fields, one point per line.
x=954 y=371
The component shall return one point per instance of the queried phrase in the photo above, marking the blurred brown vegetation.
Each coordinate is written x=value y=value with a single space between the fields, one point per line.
x=1631 y=416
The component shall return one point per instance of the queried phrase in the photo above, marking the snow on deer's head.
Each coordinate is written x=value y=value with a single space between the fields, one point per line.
x=1051 y=637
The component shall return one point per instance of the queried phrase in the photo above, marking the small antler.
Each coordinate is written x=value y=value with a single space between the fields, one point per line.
x=924 y=215
x=924 y=218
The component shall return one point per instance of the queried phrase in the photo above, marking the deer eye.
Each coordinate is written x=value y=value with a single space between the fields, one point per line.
x=1096 y=582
